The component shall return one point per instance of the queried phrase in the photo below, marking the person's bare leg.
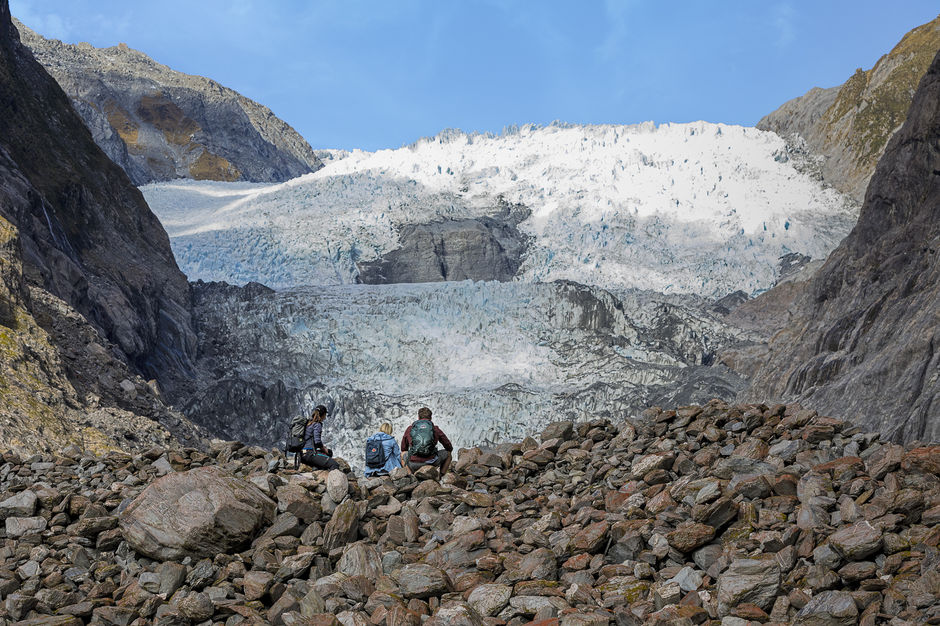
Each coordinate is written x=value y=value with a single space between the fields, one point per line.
x=446 y=465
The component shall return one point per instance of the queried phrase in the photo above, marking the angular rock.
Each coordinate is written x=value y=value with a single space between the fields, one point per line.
x=856 y=542
x=200 y=512
x=829 y=608
x=748 y=581
x=361 y=559
x=488 y=600
x=420 y=581
x=690 y=535
x=337 y=485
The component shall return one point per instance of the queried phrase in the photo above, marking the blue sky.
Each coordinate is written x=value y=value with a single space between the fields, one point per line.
x=380 y=74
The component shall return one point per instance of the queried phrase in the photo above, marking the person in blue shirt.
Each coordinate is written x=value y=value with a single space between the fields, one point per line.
x=389 y=451
x=316 y=454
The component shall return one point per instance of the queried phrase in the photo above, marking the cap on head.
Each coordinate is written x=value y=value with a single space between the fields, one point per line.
x=322 y=410
x=424 y=413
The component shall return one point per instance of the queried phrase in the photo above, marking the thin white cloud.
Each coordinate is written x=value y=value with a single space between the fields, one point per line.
x=618 y=30
x=783 y=22
x=49 y=25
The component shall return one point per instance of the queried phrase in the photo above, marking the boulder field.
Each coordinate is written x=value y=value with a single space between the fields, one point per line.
x=716 y=514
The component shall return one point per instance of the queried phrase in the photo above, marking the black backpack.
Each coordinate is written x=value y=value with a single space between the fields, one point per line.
x=422 y=439
x=296 y=436
x=375 y=453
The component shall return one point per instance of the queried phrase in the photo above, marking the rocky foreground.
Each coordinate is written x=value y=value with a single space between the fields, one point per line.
x=714 y=514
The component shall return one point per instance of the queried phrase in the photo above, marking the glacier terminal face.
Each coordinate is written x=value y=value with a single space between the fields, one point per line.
x=694 y=208
x=494 y=361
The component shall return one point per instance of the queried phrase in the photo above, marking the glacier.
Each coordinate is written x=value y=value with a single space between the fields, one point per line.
x=494 y=361
x=632 y=232
x=694 y=208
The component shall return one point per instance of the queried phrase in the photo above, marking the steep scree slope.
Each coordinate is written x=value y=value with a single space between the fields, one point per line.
x=865 y=341
x=700 y=515
x=159 y=124
x=849 y=125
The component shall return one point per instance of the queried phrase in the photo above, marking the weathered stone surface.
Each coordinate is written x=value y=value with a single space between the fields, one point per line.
x=22 y=504
x=420 y=581
x=361 y=559
x=19 y=526
x=486 y=248
x=337 y=485
x=748 y=580
x=856 y=542
x=689 y=536
x=197 y=513
x=343 y=526
x=829 y=608
x=488 y=600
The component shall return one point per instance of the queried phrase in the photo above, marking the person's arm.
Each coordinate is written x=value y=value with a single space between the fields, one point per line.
x=318 y=436
x=406 y=440
x=396 y=451
x=442 y=438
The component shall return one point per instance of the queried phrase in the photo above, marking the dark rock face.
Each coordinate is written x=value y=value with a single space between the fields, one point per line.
x=87 y=240
x=489 y=248
x=159 y=124
x=864 y=343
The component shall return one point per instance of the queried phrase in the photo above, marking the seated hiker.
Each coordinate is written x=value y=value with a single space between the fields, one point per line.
x=316 y=454
x=419 y=444
x=382 y=452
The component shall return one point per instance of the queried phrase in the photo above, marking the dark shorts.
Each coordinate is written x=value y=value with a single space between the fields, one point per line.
x=437 y=461
x=318 y=460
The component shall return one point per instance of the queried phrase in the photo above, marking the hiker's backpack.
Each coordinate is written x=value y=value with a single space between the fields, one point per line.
x=296 y=436
x=375 y=453
x=422 y=439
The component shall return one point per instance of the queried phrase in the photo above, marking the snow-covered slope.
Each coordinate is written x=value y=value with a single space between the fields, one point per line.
x=680 y=208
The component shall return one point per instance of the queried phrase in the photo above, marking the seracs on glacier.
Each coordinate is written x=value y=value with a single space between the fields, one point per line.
x=695 y=208
x=494 y=360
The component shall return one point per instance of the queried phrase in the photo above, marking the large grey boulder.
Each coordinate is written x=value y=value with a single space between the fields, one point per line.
x=199 y=513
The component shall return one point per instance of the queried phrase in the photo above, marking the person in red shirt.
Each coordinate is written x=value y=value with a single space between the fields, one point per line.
x=419 y=444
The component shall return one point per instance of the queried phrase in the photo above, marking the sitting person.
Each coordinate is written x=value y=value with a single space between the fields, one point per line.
x=419 y=444
x=316 y=454
x=382 y=452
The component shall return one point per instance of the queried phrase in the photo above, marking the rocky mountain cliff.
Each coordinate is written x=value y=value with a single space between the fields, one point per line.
x=91 y=296
x=159 y=124
x=849 y=126
x=863 y=340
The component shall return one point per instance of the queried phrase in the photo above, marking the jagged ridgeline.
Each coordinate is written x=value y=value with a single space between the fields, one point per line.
x=159 y=124
x=850 y=125
x=707 y=514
